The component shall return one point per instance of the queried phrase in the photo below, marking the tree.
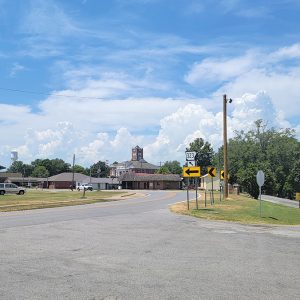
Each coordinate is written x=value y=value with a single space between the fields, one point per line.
x=276 y=152
x=163 y=170
x=40 y=171
x=16 y=167
x=20 y=167
x=79 y=169
x=54 y=166
x=292 y=184
x=205 y=153
x=173 y=167
x=99 y=169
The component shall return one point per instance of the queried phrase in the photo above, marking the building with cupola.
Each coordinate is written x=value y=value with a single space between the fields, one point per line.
x=137 y=164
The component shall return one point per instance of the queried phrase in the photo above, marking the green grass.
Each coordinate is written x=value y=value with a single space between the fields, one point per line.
x=242 y=209
x=34 y=199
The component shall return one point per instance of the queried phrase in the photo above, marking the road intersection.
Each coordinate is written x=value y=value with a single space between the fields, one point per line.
x=137 y=249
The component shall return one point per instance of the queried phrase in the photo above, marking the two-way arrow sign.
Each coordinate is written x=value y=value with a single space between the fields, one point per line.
x=191 y=172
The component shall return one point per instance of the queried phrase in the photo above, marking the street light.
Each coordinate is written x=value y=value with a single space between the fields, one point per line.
x=225 y=100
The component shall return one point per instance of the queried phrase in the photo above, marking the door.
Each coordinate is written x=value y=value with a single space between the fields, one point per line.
x=11 y=188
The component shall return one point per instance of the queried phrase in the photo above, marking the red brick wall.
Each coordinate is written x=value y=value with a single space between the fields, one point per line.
x=59 y=184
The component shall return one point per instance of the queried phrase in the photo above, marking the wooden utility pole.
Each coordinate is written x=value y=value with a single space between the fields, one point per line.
x=73 y=171
x=225 y=147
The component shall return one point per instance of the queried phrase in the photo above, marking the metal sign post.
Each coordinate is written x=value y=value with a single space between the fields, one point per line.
x=212 y=172
x=187 y=195
x=191 y=172
x=260 y=179
x=212 y=190
x=196 y=193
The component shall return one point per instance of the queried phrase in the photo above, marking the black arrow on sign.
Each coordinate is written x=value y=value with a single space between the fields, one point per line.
x=222 y=174
x=211 y=172
x=188 y=171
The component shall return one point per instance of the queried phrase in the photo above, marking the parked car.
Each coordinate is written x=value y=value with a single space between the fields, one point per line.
x=85 y=186
x=11 y=188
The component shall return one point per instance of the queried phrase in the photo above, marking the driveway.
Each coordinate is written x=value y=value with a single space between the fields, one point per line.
x=137 y=249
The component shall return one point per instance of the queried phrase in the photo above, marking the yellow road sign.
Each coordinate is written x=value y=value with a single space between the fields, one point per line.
x=298 y=196
x=222 y=174
x=191 y=172
x=212 y=171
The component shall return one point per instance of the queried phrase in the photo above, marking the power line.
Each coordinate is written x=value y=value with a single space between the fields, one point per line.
x=46 y=94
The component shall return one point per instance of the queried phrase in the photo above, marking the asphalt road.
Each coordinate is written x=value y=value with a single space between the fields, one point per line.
x=137 y=249
x=282 y=201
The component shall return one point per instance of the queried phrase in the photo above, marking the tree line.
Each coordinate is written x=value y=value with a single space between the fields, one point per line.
x=275 y=152
x=43 y=168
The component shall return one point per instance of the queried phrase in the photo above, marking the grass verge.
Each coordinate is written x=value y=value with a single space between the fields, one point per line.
x=34 y=199
x=241 y=209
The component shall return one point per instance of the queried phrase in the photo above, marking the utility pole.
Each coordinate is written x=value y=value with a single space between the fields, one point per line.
x=73 y=171
x=225 y=100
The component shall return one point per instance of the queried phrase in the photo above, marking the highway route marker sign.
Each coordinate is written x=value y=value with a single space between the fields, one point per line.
x=190 y=155
x=212 y=171
x=191 y=172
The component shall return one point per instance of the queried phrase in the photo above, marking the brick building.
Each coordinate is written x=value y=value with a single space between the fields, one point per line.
x=137 y=164
x=142 y=181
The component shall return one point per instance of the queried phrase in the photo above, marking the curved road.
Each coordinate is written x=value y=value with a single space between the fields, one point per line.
x=137 y=249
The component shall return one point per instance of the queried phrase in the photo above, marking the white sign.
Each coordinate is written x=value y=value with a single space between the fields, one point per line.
x=190 y=155
x=260 y=178
x=190 y=163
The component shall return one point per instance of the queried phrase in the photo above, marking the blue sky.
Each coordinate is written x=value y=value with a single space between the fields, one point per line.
x=99 y=77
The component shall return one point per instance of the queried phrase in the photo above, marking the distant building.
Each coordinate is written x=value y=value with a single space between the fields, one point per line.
x=137 y=164
x=20 y=180
x=65 y=180
x=139 y=181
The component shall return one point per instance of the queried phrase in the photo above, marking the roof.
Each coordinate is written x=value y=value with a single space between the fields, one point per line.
x=136 y=164
x=78 y=177
x=10 y=174
x=68 y=176
x=149 y=177
x=29 y=179
x=141 y=165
